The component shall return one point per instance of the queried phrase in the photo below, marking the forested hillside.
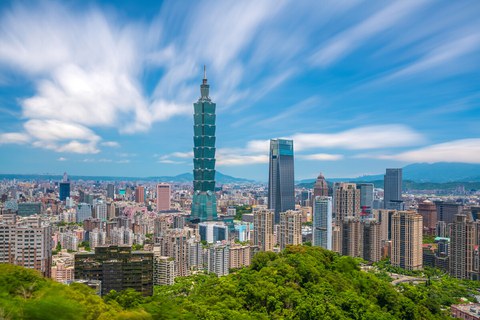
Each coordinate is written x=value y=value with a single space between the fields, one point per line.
x=300 y=283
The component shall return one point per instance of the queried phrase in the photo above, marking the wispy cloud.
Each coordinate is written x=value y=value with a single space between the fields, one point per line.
x=62 y=159
x=112 y=144
x=464 y=150
x=320 y=156
x=352 y=38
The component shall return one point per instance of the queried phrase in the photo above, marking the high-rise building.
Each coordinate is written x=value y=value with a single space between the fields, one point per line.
x=371 y=242
x=392 y=189
x=64 y=188
x=110 y=191
x=346 y=200
x=320 y=188
x=27 y=242
x=163 y=197
x=428 y=211
x=163 y=269
x=351 y=236
x=366 y=195
x=84 y=211
x=290 y=228
x=64 y=191
x=239 y=256
x=118 y=268
x=322 y=222
x=462 y=240
x=263 y=229
x=217 y=259
x=140 y=194
x=281 y=187
x=446 y=211
x=204 y=202
x=174 y=243
x=407 y=227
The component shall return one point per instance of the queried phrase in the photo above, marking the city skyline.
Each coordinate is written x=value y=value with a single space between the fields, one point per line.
x=99 y=89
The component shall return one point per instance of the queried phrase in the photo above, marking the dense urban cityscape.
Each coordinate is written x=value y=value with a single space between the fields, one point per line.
x=337 y=178
x=118 y=235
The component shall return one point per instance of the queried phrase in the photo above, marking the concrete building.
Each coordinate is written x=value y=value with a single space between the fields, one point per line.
x=218 y=259
x=63 y=267
x=27 y=242
x=290 y=228
x=110 y=191
x=446 y=211
x=163 y=197
x=140 y=194
x=407 y=227
x=240 y=256
x=346 y=200
x=320 y=188
x=462 y=241
x=174 y=243
x=84 y=211
x=163 y=269
x=351 y=237
x=371 y=240
x=118 y=268
x=428 y=211
x=263 y=229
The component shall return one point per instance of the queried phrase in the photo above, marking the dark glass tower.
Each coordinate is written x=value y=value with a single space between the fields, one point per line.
x=204 y=202
x=281 y=189
x=392 y=189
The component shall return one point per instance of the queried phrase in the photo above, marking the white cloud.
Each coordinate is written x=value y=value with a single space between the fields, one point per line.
x=124 y=161
x=112 y=144
x=238 y=160
x=320 y=156
x=62 y=159
x=349 y=40
x=465 y=150
x=168 y=161
x=14 y=137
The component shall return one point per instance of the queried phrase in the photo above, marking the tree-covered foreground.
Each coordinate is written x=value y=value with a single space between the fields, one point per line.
x=300 y=283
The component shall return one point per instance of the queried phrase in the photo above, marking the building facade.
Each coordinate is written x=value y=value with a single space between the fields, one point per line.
x=281 y=186
x=163 y=197
x=263 y=229
x=204 y=202
x=392 y=189
x=118 y=268
x=322 y=222
x=290 y=228
x=407 y=236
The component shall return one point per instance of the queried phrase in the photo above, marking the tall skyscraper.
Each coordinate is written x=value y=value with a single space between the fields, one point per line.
x=446 y=211
x=290 y=228
x=366 y=195
x=407 y=240
x=140 y=194
x=392 y=189
x=371 y=242
x=281 y=186
x=204 y=202
x=346 y=200
x=263 y=229
x=163 y=196
x=461 y=246
x=429 y=213
x=320 y=188
x=110 y=191
x=322 y=222
x=217 y=259
x=64 y=188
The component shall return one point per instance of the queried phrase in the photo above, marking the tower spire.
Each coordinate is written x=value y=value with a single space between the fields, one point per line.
x=204 y=88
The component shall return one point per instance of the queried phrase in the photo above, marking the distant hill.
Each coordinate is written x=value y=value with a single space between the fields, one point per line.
x=184 y=177
x=439 y=172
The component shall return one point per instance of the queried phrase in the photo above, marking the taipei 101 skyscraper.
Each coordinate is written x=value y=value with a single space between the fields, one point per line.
x=204 y=202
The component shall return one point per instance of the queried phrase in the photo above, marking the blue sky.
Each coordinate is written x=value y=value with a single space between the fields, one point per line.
x=106 y=88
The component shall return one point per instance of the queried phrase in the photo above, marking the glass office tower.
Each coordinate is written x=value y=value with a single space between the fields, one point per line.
x=392 y=186
x=204 y=202
x=281 y=189
x=322 y=222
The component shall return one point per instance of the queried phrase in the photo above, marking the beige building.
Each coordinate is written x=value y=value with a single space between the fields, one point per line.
x=462 y=241
x=163 y=269
x=63 y=267
x=372 y=244
x=346 y=200
x=290 y=231
x=239 y=256
x=407 y=227
x=263 y=229
x=174 y=244
x=351 y=236
x=163 y=196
